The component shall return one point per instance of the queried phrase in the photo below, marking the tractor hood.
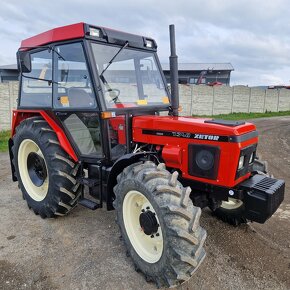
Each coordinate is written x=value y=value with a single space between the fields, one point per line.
x=192 y=128
x=181 y=138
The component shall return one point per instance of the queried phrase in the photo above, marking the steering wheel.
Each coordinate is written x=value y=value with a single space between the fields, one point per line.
x=113 y=94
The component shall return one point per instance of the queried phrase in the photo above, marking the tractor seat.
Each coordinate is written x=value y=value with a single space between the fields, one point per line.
x=79 y=98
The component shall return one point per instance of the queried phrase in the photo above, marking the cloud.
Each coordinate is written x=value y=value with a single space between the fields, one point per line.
x=253 y=35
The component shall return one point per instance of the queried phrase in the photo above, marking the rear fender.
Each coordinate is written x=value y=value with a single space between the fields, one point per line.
x=20 y=115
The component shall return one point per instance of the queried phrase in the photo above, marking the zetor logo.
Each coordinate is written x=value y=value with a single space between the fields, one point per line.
x=206 y=137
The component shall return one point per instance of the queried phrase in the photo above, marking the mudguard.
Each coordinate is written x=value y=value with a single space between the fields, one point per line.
x=118 y=167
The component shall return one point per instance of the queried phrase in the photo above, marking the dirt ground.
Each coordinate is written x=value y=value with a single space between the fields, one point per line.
x=83 y=250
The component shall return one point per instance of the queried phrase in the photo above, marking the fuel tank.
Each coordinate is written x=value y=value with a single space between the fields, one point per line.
x=214 y=151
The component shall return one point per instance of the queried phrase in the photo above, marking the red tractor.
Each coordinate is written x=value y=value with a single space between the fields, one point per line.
x=90 y=129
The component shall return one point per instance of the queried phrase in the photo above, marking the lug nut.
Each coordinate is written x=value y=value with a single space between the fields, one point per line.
x=147 y=207
x=157 y=235
x=152 y=236
x=143 y=210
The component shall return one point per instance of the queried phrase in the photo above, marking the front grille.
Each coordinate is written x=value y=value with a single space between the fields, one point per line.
x=265 y=183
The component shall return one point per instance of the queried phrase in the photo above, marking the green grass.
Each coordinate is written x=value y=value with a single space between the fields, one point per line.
x=245 y=116
x=4 y=136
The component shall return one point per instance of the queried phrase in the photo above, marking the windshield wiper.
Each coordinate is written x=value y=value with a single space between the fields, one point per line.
x=113 y=58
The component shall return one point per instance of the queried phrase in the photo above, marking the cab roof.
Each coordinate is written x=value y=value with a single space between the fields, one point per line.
x=81 y=30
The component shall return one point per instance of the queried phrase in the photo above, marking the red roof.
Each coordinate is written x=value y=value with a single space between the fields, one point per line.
x=57 y=34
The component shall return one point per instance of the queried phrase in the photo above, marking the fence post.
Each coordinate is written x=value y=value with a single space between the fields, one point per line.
x=10 y=89
x=191 y=100
x=264 y=105
x=212 y=101
x=278 y=101
x=250 y=97
x=233 y=93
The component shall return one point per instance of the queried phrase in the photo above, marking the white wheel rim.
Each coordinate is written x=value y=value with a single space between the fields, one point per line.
x=149 y=249
x=232 y=203
x=38 y=193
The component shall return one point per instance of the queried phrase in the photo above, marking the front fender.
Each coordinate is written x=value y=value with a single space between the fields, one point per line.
x=118 y=167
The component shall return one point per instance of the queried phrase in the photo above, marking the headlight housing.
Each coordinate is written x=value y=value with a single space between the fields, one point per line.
x=246 y=160
x=203 y=160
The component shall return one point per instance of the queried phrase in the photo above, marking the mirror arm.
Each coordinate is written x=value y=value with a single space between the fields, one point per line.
x=38 y=79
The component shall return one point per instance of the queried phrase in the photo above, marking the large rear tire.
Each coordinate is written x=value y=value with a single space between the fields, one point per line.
x=45 y=172
x=159 y=224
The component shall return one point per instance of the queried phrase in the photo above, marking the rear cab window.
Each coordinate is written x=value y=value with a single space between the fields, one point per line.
x=36 y=86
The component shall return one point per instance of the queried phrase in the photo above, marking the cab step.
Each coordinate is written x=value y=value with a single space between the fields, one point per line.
x=88 y=203
x=89 y=182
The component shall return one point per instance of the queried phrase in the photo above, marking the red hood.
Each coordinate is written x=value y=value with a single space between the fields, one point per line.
x=189 y=124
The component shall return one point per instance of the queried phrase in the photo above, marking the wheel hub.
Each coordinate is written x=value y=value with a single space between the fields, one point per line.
x=36 y=169
x=148 y=222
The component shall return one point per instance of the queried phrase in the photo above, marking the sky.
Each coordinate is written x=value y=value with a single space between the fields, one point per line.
x=253 y=35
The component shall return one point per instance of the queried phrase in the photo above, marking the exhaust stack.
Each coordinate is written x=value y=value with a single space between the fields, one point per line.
x=173 y=72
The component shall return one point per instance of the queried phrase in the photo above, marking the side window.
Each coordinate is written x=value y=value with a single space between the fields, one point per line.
x=74 y=87
x=153 y=85
x=36 y=89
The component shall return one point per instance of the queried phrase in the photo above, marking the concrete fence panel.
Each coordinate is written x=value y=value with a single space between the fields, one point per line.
x=202 y=100
x=8 y=96
x=241 y=99
x=195 y=100
x=257 y=100
x=208 y=100
x=284 y=100
x=222 y=101
x=271 y=100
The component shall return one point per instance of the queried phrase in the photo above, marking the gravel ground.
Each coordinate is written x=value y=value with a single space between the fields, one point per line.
x=83 y=250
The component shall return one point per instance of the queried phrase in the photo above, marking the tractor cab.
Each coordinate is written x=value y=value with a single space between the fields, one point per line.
x=93 y=85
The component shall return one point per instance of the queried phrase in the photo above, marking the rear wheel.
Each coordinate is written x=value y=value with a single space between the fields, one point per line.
x=159 y=224
x=231 y=211
x=45 y=172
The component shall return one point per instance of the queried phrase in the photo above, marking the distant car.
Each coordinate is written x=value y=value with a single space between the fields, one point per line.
x=279 y=87
x=216 y=83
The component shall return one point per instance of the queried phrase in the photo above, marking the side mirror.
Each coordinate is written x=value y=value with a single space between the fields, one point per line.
x=24 y=61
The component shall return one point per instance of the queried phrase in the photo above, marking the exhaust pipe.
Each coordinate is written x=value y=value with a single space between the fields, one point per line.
x=173 y=72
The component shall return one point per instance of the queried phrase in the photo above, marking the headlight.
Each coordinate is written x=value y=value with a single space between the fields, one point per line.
x=204 y=159
x=95 y=32
x=149 y=43
x=252 y=158
x=241 y=162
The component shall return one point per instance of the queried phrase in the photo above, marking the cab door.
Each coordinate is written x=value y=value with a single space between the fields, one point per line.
x=74 y=100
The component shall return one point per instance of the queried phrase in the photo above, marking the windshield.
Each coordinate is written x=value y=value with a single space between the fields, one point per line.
x=129 y=78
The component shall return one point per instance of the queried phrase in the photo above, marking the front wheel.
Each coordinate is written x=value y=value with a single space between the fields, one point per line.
x=159 y=224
